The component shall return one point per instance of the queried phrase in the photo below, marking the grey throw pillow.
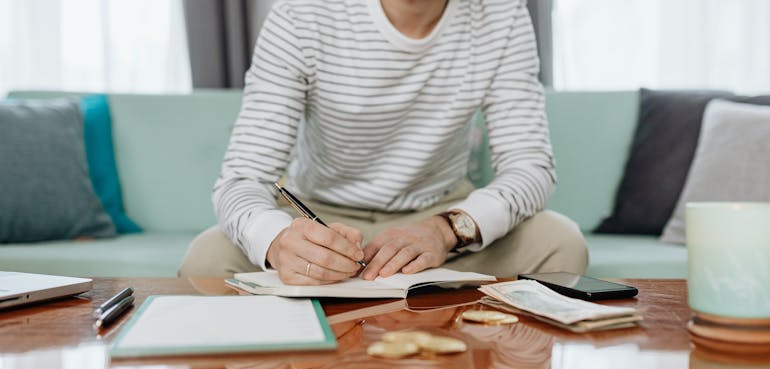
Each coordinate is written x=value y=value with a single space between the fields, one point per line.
x=45 y=190
x=732 y=161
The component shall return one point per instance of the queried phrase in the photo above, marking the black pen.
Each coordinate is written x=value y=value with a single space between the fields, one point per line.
x=303 y=210
x=114 y=312
x=113 y=300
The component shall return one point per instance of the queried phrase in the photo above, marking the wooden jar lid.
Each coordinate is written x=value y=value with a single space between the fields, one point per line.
x=732 y=335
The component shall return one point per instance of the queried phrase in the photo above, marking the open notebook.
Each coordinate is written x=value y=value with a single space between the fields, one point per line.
x=395 y=286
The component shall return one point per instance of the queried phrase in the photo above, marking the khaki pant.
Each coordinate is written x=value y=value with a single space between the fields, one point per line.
x=546 y=242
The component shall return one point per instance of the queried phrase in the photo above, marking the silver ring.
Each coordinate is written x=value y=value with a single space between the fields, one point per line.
x=307 y=270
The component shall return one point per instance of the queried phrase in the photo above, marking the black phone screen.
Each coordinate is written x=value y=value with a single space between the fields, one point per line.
x=581 y=286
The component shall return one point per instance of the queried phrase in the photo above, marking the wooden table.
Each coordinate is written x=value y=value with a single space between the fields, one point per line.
x=60 y=334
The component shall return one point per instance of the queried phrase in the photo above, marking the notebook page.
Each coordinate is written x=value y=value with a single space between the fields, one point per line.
x=404 y=281
x=221 y=321
x=271 y=279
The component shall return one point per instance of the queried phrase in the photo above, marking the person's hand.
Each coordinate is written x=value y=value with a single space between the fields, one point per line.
x=330 y=252
x=409 y=248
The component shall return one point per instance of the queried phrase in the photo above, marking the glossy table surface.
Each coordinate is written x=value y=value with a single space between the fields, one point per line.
x=59 y=334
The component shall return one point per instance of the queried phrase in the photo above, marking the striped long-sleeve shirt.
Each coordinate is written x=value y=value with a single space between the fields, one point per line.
x=359 y=115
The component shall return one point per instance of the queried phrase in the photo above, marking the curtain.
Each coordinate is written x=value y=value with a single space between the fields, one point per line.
x=93 y=45
x=683 y=44
x=221 y=35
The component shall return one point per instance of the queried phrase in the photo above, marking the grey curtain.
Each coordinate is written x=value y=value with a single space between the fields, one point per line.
x=541 y=13
x=220 y=38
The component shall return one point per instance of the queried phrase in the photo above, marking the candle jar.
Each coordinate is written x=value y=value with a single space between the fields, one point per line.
x=728 y=246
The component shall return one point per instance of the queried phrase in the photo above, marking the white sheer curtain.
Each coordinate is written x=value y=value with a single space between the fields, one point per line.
x=676 y=44
x=93 y=45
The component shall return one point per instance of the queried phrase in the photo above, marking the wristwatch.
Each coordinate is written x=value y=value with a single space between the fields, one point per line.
x=463 y=226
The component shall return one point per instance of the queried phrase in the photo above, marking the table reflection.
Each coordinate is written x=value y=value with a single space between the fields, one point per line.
x=527 y=344
x=588 y=356
x=512 y=346
x=352 y=352
x=706 y=359
x=91 y=356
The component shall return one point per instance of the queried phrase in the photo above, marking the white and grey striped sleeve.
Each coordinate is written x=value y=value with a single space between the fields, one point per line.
x=522 y=157
x=263 y=137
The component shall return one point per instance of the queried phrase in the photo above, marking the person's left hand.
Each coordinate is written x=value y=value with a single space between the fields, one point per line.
x=409 y=248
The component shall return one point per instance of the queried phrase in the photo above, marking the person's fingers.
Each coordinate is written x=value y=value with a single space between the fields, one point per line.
x=292 y=253
x=322 y=256
x=316 y=271
x=327 y=237
x=422 y=262
x=352 y=234
x=402 y=257
x=373 y=246
x=294 y=278
x=384 y=254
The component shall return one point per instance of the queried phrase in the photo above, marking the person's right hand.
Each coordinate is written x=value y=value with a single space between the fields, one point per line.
x=330 y=252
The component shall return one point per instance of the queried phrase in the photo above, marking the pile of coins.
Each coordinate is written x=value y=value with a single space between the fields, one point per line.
x=396 y=345
x=489 y=317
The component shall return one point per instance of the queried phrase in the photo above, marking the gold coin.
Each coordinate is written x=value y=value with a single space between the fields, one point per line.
x=406 y=336
x=511 y=319
x=443 y=345
x=393 y=350
x=484 y=316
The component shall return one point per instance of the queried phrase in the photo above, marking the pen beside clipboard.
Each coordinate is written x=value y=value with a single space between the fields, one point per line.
x=114 y=308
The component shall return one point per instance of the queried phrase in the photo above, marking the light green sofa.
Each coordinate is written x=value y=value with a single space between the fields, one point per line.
x=169 y=148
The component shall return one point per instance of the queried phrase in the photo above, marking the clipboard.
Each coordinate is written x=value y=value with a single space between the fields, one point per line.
x=198 y=325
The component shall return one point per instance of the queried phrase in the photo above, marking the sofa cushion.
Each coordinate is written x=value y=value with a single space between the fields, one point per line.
x=732 y=162
x=169 y=149
x=97 y=130
x=663 y=147
x=133 y=255
x=637 y=256
x=590 y=134
x=660 y=157
x=44 y=182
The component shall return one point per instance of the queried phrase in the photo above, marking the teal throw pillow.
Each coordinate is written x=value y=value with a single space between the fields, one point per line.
x=97 y=131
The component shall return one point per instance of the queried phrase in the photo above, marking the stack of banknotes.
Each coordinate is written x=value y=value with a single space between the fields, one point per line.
x=534 y=299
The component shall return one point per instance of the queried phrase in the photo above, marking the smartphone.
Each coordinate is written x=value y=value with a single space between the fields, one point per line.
x=582 y=287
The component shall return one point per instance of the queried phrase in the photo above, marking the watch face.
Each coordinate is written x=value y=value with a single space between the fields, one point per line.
x=465 y=225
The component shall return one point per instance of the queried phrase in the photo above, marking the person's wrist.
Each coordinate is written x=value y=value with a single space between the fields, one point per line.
x=269 y=256
x=273 y=249
x=449 y=239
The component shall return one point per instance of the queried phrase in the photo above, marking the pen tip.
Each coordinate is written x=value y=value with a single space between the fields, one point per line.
x=277 y=186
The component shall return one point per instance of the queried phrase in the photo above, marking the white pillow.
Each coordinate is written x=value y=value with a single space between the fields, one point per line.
x=732 y=161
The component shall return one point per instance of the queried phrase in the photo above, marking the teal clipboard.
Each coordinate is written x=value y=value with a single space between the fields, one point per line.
x=329 y=342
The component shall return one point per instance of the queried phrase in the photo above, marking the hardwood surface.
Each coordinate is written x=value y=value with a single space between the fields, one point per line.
x=61 y=332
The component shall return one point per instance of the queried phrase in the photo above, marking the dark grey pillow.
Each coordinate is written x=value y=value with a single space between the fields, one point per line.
x=661 y=154
x=732 y=162
x=45 y=190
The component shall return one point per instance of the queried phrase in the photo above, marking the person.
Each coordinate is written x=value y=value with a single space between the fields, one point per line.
x=362 y=108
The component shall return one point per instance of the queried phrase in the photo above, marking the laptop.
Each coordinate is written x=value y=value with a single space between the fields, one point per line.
x=23 y=288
